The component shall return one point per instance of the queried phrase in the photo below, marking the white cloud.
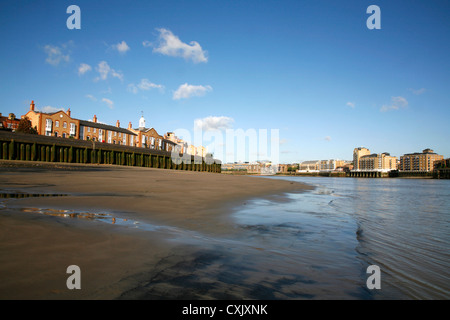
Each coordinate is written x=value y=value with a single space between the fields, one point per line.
x=146 y=43
x=90 y=96
x=132 y=88
x=350 y=104
x=187 y=90
x=122 y=47
x=105 y=70
x=396 y=103
x=418 y=91
x=55 y=54
x=108 y=102
x=50 y=109
x=83 y=68
x=214 y=123
x=144 y=85
x=171 y=45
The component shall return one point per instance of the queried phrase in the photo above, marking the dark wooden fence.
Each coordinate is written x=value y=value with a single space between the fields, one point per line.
x=28 y=147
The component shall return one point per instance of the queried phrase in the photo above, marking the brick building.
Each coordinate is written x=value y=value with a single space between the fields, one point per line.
x=150 y=138
x=419 y=161
x=9 y=123
x=62 y=124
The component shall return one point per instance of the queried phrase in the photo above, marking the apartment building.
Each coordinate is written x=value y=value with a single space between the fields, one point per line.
x=358 y=153
x=419 y=161
x=377 y=162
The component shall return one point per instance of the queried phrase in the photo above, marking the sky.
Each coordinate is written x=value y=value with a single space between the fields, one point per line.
x=307 y=78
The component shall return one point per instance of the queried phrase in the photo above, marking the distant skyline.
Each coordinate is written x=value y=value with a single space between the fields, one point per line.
x=311 y=69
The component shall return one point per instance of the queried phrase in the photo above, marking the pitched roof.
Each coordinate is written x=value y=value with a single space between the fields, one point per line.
x=105 y=127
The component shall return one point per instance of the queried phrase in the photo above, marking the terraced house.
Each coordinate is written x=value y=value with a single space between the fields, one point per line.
x=61 y=124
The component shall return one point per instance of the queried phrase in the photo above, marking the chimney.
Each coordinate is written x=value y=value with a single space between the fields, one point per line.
x=94 y=119
x=129 y=125
x=118 y=124
x=32 y=105
x=68 y=112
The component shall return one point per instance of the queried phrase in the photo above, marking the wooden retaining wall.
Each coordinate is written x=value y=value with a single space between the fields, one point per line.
x=27 y=147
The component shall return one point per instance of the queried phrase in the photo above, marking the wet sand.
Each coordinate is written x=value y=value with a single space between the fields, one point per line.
x=116 y=261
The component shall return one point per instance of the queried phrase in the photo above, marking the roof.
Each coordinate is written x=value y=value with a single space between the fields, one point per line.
x=105 y=127
x=418 y=153
x=169 y=141
x=310 y=162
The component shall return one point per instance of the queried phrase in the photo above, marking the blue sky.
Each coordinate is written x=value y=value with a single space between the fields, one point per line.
x=311 y=69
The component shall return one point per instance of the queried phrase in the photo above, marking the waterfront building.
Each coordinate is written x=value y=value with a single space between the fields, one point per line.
x=62 y=124
x=419 y=161
x=378 y=162
x=180 y=143
x=95 y=131
x=9 y=123
x=357 y=154
x=149 y=137
x=57 y=124
x=266 y=167
x=309 y=166
x=363 y=160
x=330 y=165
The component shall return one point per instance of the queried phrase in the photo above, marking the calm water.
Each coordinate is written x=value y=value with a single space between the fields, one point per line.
x=334 y=232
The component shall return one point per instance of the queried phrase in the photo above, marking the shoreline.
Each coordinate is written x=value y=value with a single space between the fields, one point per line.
x=325 y=176
x=37 y=248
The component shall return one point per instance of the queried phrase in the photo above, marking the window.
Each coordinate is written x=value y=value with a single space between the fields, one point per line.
x=72 y=129
x=131 y=141
x=64 y=135
x=95 y=130
x=57 y=123
x=109 y=136
x=64 y=124
x=115 y=134
x=56 y=133
x=89 y=129
x=120 y=134
x=48 y=127
x=124 y=139
x=100 y=135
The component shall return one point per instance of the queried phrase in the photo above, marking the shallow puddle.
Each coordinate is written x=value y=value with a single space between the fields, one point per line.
x=21 y=195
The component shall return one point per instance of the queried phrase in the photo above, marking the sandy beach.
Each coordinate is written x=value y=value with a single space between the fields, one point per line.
x=40 y=236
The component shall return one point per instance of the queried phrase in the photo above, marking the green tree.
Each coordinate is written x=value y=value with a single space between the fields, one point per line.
x=25 y=126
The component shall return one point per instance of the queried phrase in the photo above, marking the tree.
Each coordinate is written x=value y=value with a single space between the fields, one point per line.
x=25 y=126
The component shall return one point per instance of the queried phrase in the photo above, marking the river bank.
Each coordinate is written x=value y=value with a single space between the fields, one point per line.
x=51 y=218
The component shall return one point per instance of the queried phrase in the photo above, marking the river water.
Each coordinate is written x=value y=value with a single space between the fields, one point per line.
x=318 y=245
x=329 y=236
